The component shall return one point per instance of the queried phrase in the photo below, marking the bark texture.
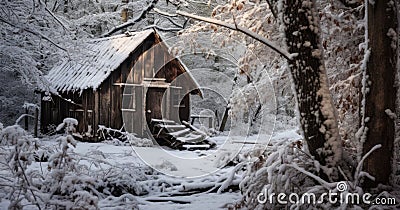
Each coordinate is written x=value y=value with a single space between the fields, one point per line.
x=381 y=69
x=317 y=112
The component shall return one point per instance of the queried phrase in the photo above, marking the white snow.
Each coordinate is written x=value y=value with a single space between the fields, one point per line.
x=95 y=62
x=391 y=114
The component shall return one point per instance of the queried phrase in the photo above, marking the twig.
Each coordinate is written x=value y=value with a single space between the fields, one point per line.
x=246 y=31
x=34 y=33
x=22 y=116
x=164 y=13
x=174 y=22
x=360 y=164
x=272 y=9
x=317 y=178
x=27 y=181
x=162 y=28
x=169 y=17
x=54 y=16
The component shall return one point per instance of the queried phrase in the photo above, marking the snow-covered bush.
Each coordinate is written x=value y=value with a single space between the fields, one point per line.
x=271 y=173
x=119 y=137
x=290 y=170
x=18 y=149
x=69 y=125
x=67 y=186
x=11 y=134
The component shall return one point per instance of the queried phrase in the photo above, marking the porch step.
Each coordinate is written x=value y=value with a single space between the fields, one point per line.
x=180 y=136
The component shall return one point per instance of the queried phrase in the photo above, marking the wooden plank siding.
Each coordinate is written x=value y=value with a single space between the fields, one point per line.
x=105 y=105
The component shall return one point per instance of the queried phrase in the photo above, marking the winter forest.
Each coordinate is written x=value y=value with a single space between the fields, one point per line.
x=199 y=104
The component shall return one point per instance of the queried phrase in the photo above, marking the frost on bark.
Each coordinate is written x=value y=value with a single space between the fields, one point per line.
x=381 y=95
x=316 y=110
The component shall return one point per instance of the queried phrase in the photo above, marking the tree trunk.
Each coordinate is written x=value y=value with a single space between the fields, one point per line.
x=317 y=112
x=381 y=68
x=65 y=10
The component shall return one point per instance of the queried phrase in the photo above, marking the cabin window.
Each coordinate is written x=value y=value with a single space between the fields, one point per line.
x=128 y=101
x=177 y=97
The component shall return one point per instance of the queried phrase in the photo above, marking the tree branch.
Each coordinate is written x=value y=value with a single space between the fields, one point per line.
x=271 y=4
x=246 y=31
x=54 y=16
x=140 y=17
x=169 y=17
x=34 y=33
x=360 y=164
x=162 y=28
x=164 y=13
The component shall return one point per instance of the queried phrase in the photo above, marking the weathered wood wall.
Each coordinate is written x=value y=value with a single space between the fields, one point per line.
x=104 y=105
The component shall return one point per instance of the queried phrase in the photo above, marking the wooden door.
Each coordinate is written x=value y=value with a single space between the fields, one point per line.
x=154 y=104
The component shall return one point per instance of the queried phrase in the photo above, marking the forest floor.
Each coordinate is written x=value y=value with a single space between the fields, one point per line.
x=212 y=187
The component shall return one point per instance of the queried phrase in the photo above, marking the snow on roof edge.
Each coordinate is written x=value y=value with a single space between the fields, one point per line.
x=96 y=63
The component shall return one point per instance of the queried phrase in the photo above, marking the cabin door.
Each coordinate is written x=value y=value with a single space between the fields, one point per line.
x=155 y=108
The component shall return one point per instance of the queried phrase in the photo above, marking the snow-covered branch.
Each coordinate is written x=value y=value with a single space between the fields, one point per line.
x=163 y=13
x=36 y=33
x=246 y=31
x=170 y=17
x=360 y=164
x=162 y=28
x=140 y=17
x=53 y=15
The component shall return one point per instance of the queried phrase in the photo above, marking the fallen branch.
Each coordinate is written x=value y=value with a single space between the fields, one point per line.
x=246 y=31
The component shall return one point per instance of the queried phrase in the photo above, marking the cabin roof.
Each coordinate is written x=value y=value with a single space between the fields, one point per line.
x=96 y=61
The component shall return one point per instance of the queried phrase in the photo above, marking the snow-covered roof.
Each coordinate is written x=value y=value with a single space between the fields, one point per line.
x=95 y=63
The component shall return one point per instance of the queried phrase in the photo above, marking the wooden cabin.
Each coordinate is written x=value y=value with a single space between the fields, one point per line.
x=120 y=82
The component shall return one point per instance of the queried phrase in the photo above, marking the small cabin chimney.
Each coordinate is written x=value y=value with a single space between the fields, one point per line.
x=124 y=14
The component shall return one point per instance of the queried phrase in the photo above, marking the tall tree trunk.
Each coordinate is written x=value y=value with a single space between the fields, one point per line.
x=317 y=112
x=381 y=68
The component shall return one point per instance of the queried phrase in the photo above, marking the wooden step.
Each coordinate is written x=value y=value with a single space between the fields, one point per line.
x=154 y=122
x=192 y=138
x=180 y=133
x=171 y=128
x=195 y=146
x=175 y=135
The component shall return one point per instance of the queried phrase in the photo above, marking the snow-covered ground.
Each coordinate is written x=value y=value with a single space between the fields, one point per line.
x=162 y=177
